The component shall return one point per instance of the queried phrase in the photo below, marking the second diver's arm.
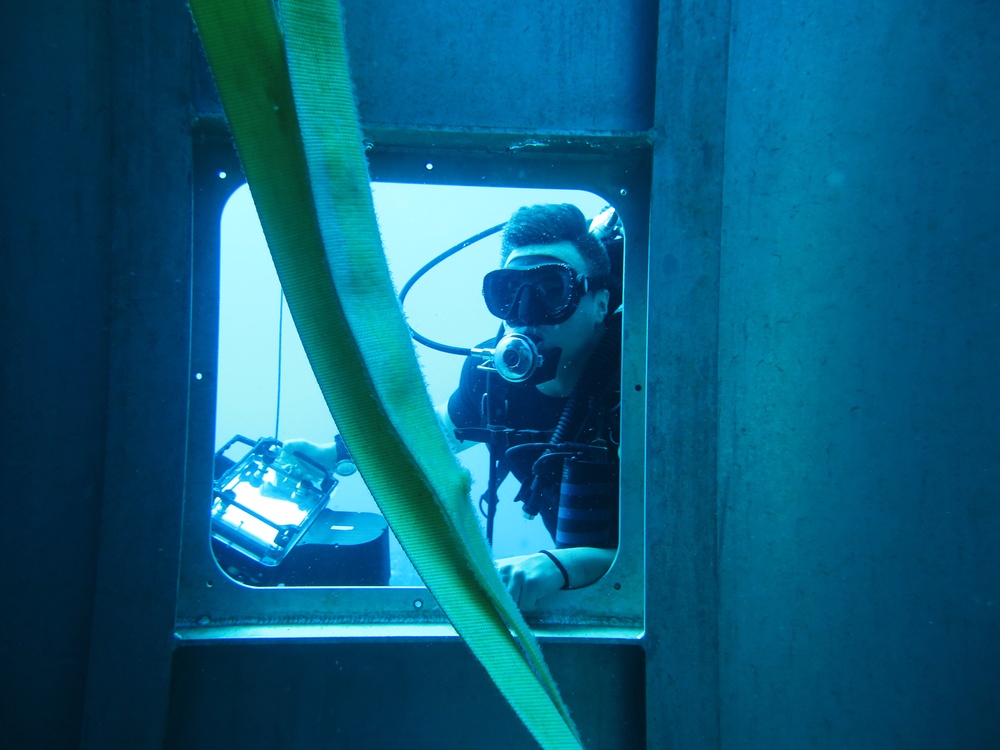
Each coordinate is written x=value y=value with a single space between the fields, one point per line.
x=325 y=454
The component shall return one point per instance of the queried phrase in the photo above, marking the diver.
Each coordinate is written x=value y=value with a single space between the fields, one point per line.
x=558 y=426
x=544 y=394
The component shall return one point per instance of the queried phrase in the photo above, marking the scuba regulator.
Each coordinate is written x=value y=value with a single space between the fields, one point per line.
x=541 y=295
x=572 y=479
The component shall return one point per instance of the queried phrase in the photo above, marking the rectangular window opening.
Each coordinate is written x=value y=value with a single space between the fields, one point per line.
x=304 y=542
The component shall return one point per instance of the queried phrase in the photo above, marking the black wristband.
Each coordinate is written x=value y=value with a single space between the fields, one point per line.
x=562 y=568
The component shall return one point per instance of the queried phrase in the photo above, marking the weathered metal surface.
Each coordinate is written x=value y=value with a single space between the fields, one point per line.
x=681 y=395
x=149 y=310
x=451 y=65
x=399 y=693
x=848 y=290
x=859 y=424
x=55 y=225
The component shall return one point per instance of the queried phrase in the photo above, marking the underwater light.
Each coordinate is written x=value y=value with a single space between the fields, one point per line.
x=264 y=503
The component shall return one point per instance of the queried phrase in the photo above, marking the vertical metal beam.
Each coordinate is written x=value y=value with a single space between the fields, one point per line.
x=134 y=604
x=681 y=435
x=55 y=219
x=859 y=419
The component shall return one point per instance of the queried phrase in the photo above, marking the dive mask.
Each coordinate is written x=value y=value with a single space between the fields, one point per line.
x=540 y=295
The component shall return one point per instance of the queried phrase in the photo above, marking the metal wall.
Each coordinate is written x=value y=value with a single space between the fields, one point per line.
x=859 y=424
x=822 y=413
x=431 y=86
x=55 y=231
x=96 y=250
x=822 y=420
x=682 y=589
x=100 y=104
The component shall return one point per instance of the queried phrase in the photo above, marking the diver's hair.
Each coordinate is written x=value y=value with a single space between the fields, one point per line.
x=550 y=224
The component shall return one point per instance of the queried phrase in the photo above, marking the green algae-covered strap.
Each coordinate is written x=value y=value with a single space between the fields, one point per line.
x=292 y=114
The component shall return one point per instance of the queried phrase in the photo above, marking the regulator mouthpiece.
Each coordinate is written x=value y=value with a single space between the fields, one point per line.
x=517 y=359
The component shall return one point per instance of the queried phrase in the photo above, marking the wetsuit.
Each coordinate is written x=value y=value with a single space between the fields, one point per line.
x=577 y=492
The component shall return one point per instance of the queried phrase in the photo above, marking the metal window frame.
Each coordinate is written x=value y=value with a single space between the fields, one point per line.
x=210 y=605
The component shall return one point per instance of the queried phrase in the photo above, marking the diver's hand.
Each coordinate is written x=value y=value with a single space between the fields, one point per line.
x=529 y=578
x=325 y=454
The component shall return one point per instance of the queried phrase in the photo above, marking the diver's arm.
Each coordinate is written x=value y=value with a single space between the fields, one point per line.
x=585 y=565
x=530 y=578
x=325 y=454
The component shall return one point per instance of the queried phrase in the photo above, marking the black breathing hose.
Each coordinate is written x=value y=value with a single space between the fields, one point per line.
x=462 y=351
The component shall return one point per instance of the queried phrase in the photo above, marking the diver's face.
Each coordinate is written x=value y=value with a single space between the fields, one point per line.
x=578 y=332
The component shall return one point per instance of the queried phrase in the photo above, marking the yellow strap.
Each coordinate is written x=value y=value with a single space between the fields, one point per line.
x=293 y=118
